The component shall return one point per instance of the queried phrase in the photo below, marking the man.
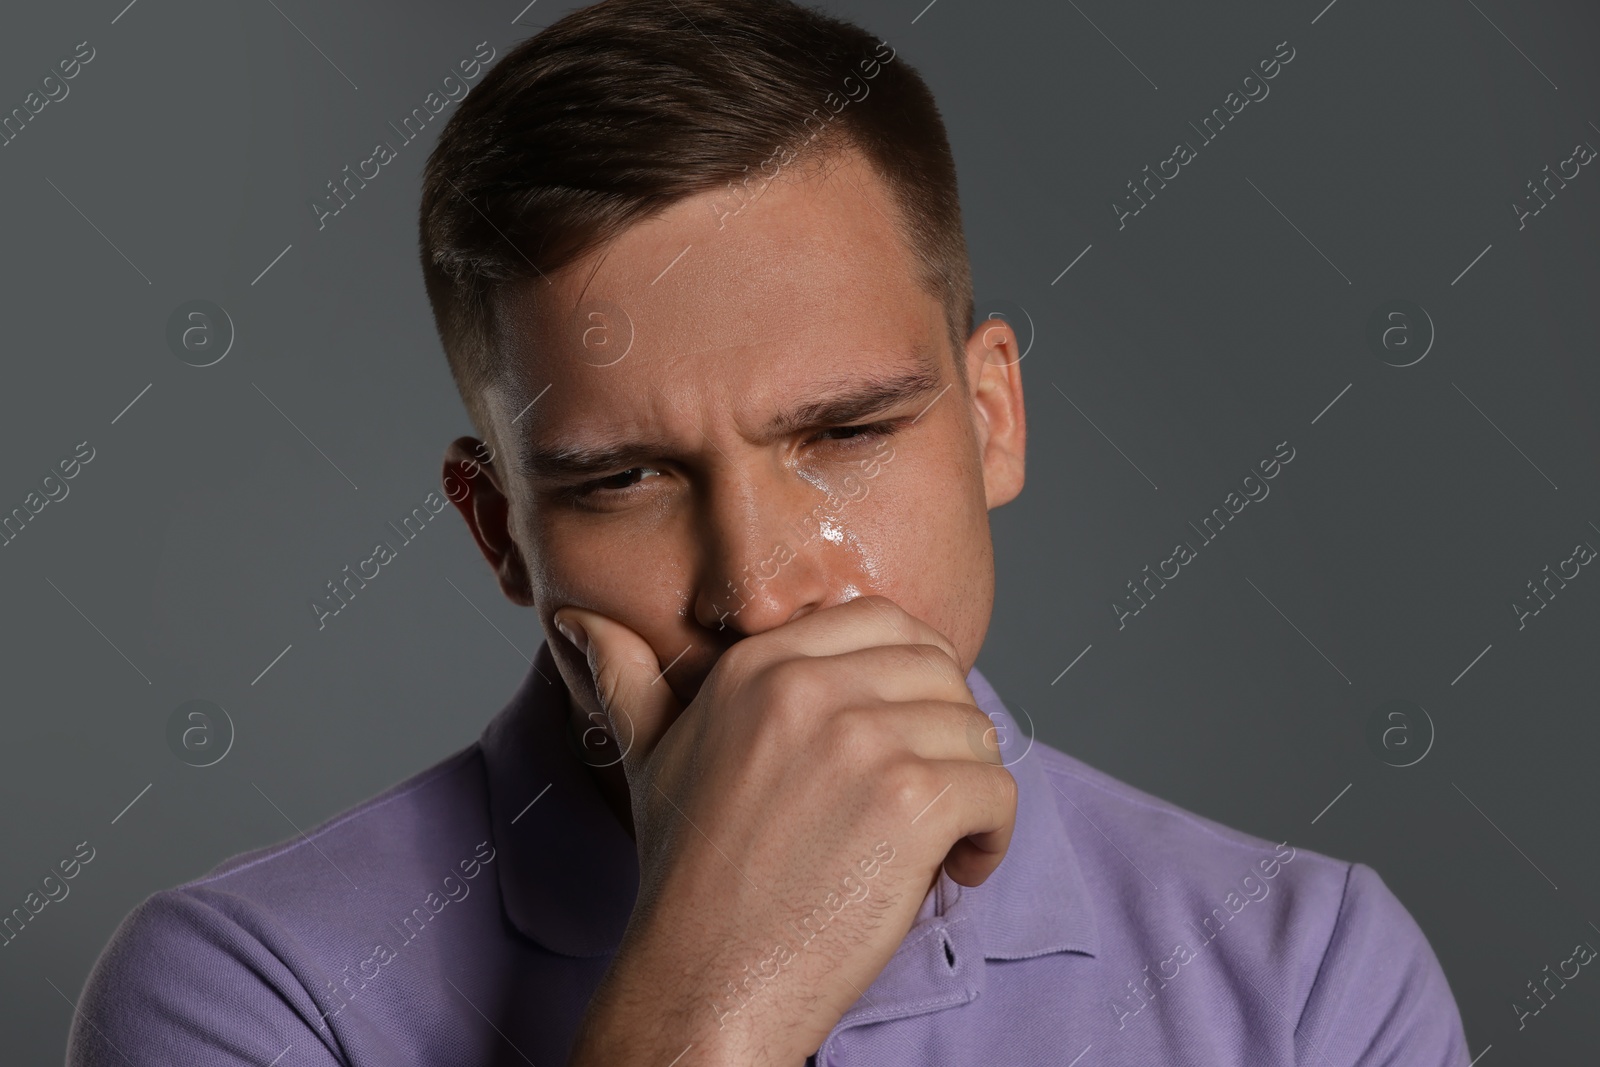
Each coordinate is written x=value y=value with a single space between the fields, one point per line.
x=699 y=270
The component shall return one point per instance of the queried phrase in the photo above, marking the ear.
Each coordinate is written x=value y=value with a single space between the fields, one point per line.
x=994 y=379
x=475 y=485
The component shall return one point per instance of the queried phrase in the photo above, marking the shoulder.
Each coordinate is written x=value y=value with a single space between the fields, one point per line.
x=1105 y=814
x=1323 y=941
x=230 y=967
x=376 y=835
x=181 y=982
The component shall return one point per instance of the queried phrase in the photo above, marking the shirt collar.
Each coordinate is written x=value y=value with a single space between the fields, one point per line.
x=569 y=871
x=1036 y=901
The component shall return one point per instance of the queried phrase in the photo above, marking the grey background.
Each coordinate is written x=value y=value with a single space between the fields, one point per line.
x=1223 y=319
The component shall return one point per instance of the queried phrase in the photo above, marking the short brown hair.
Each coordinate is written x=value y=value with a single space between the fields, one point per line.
x=620 y=109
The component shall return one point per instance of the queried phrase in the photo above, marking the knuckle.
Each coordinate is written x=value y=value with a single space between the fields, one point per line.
x=850 y=735
x=606 y=680
x=739 y=660
x=904 y=788
x=942 y=658
x=881 y=609
x=1005 y=786
x=937 y=659
x=977 y=719
x=984 y=734
x=790 y=692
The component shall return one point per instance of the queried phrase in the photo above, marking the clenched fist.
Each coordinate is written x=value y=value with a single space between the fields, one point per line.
x=790 y=821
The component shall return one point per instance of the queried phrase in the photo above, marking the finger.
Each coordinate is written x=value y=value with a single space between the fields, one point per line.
x=934 y=730
x=976 y=807
x=896 y=673
x=858 y=623
x=969 y=865
x=627 y=682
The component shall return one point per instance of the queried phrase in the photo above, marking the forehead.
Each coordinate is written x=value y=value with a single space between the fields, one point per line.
x=724 y=304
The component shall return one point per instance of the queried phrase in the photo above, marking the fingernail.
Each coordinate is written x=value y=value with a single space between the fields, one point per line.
x=574 y=633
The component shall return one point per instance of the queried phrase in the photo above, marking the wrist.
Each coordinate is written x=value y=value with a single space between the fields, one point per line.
x=648 y=1010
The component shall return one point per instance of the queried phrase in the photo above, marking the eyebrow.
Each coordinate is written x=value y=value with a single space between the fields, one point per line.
x=853 y=401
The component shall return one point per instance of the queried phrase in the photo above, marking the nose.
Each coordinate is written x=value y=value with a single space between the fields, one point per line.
x=762 y=563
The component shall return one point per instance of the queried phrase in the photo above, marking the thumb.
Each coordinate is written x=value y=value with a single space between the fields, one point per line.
x=636 y=699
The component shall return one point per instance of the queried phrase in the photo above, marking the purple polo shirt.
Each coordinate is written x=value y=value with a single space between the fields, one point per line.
x=464 y=917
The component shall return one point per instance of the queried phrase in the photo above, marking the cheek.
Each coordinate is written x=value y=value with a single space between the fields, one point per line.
x=921 y=537
x=634 y=577
x=608 y=569
x=960 y=592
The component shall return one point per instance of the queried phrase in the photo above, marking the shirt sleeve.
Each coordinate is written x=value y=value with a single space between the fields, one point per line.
x=1380 y=998
x=183 y=983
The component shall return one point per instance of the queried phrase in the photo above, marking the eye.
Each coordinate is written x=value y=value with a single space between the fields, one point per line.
x=870 y=431
x=611 y=487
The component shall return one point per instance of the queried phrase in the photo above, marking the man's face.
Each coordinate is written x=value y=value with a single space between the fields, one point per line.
x=785 y=431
